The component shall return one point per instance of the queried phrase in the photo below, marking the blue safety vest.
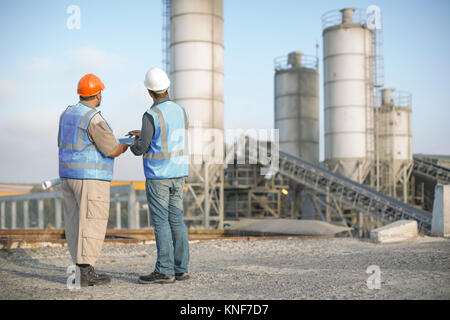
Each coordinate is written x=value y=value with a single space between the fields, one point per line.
x=78 y=156
x=167 y=156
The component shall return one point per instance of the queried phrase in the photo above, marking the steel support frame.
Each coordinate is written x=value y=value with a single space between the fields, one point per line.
x=382 y=208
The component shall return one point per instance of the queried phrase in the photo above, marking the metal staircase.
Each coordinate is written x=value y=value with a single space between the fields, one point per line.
x=431 y=171
x=346 y=192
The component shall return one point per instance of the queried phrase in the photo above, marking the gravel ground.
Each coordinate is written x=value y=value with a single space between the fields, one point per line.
x=262 y=269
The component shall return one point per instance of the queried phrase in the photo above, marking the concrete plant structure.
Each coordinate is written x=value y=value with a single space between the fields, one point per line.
x=394 y=144
x=370 y=173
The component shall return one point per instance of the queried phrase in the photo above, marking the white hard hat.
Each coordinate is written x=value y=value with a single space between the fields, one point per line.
x=156 y=80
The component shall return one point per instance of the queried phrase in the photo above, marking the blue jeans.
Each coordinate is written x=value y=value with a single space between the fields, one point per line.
x=165 y=201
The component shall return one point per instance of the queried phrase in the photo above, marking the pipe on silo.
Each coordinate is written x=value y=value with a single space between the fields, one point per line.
x=347 y=15
x=295 y=59
x=387 y=98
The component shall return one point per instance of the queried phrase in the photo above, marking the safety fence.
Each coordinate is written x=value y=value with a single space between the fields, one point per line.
x=42 y=210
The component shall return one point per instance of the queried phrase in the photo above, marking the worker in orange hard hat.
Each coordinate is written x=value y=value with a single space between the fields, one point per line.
x=87 y=148
x=90 y=87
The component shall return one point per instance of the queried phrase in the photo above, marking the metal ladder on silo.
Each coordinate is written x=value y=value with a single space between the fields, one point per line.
x=431 y=171
x=347 y=192
x=166 y=35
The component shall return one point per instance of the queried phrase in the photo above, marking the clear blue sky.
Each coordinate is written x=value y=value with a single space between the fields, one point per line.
x=41 y=62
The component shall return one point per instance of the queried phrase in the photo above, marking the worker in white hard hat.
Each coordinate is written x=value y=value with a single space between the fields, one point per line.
x=163 y=143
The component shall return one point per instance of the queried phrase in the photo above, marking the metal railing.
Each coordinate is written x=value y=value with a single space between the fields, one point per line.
x=334 y=17
x=40 y=217
x=402 y=98
x=24 y=202
x=307 y=61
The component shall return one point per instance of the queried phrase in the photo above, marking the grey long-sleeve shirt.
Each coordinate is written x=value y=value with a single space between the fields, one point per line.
x=142 y=144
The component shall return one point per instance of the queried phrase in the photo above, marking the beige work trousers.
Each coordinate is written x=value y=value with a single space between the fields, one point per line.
x=86 y=212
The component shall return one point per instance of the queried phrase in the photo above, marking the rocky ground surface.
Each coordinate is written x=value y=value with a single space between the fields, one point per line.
x=332 y=268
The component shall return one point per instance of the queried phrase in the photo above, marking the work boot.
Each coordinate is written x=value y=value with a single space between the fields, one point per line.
x=88 y=277
x=156 y=277
x=182 y=276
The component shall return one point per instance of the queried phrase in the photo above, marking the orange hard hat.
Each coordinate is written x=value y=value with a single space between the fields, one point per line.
x=90 y=85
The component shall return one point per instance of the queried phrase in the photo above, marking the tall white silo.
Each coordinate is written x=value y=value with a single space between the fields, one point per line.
x=197 y=70
x=348 y=94
x=197 y=74
x=395 y=141
x=297 y=105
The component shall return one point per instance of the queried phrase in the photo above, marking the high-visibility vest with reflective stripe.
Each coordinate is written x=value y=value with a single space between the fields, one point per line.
x=167 y=156
x=78 y=156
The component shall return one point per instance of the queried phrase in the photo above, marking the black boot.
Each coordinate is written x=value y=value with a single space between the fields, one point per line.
x=88 y=277
x=156 y=277
x=182 y=276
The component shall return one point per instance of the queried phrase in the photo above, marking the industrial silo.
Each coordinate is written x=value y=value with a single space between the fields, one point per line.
x=195 y=43
x=395 y=142
x=348 y=93
x=196 y=66
x=297 y=105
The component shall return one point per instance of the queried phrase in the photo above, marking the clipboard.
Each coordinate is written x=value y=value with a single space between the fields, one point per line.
x=128 y=141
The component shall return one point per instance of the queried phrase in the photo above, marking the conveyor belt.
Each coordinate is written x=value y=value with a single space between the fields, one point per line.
x=362 y=198
x=431 y=171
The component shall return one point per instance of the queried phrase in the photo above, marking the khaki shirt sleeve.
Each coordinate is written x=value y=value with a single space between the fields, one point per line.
x=101 y=135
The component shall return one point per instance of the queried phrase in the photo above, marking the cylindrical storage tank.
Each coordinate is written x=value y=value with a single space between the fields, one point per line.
x=395 y=126
x=197 y=70
x=347 y=48
x=297 y=105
